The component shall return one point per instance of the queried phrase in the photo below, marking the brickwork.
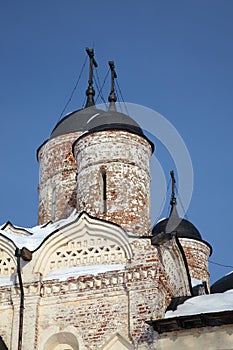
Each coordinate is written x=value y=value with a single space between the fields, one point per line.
x=116 y=301
x=98 y=306
x=125 y=159
x=94 y=315
x=57 y=178
x=107 y=177
x=197 y=254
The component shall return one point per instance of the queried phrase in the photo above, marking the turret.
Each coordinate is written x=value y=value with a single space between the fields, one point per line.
x=58 y=168
x=197 y=251
x=113 y=175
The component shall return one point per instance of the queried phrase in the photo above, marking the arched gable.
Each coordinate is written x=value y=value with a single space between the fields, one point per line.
x=85 y=242
x=7 y=257
x=173 y=262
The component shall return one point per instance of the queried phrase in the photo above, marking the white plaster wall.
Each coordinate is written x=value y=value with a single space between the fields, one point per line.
x=208 y=338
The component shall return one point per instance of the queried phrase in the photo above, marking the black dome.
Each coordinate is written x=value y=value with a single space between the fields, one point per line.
x=185 y=228
x=75 y=121
x=112 y=120
x=93 y=120
x=223 y=284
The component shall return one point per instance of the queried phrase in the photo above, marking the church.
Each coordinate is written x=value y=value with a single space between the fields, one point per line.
x=94 y=273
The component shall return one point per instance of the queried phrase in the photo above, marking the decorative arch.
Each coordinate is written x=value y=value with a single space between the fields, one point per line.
x=85 y=242
x=175 y=268
x=62 y=341
x=54 y=338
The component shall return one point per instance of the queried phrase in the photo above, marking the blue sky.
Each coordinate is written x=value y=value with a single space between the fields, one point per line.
x=172 y=56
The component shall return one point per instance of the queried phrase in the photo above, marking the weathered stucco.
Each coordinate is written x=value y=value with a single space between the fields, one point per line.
x=107 y=180
x=98 y=307
x=58 y=171
x=125 y=159
x=211 y=338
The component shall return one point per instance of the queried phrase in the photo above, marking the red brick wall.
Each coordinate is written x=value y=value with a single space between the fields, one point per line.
x=197 y=254
x=125 y=159
x=57 y=169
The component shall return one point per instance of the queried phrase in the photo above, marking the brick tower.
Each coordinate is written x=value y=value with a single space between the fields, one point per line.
x=106 y=173
x=97 y=278
x=58 y=168
x=113 y=177
x=196 y=250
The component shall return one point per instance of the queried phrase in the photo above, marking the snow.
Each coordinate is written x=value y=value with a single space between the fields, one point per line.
x=6 y=281
x=160 y=220
x=38 y=233
x=204 y=304
x=30 y=242
x=94 y=116
x=64 y=274
x=229 y=273
x=195 y=282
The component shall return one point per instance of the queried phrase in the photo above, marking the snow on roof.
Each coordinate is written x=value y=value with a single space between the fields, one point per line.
x=196 y=282
x=229 y=273
x=73 y=272
x=6 y=281
x=94 y=116
x=161 y=220
x=204 y=304
x=38 y=233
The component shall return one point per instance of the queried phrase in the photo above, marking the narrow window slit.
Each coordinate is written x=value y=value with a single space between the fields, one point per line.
x=53 y=214
x=103 y=185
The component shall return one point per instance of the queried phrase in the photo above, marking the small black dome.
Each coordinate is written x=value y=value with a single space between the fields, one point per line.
x=223 y=284
x=113 y=120
x=75 y=121
x=185 y=228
